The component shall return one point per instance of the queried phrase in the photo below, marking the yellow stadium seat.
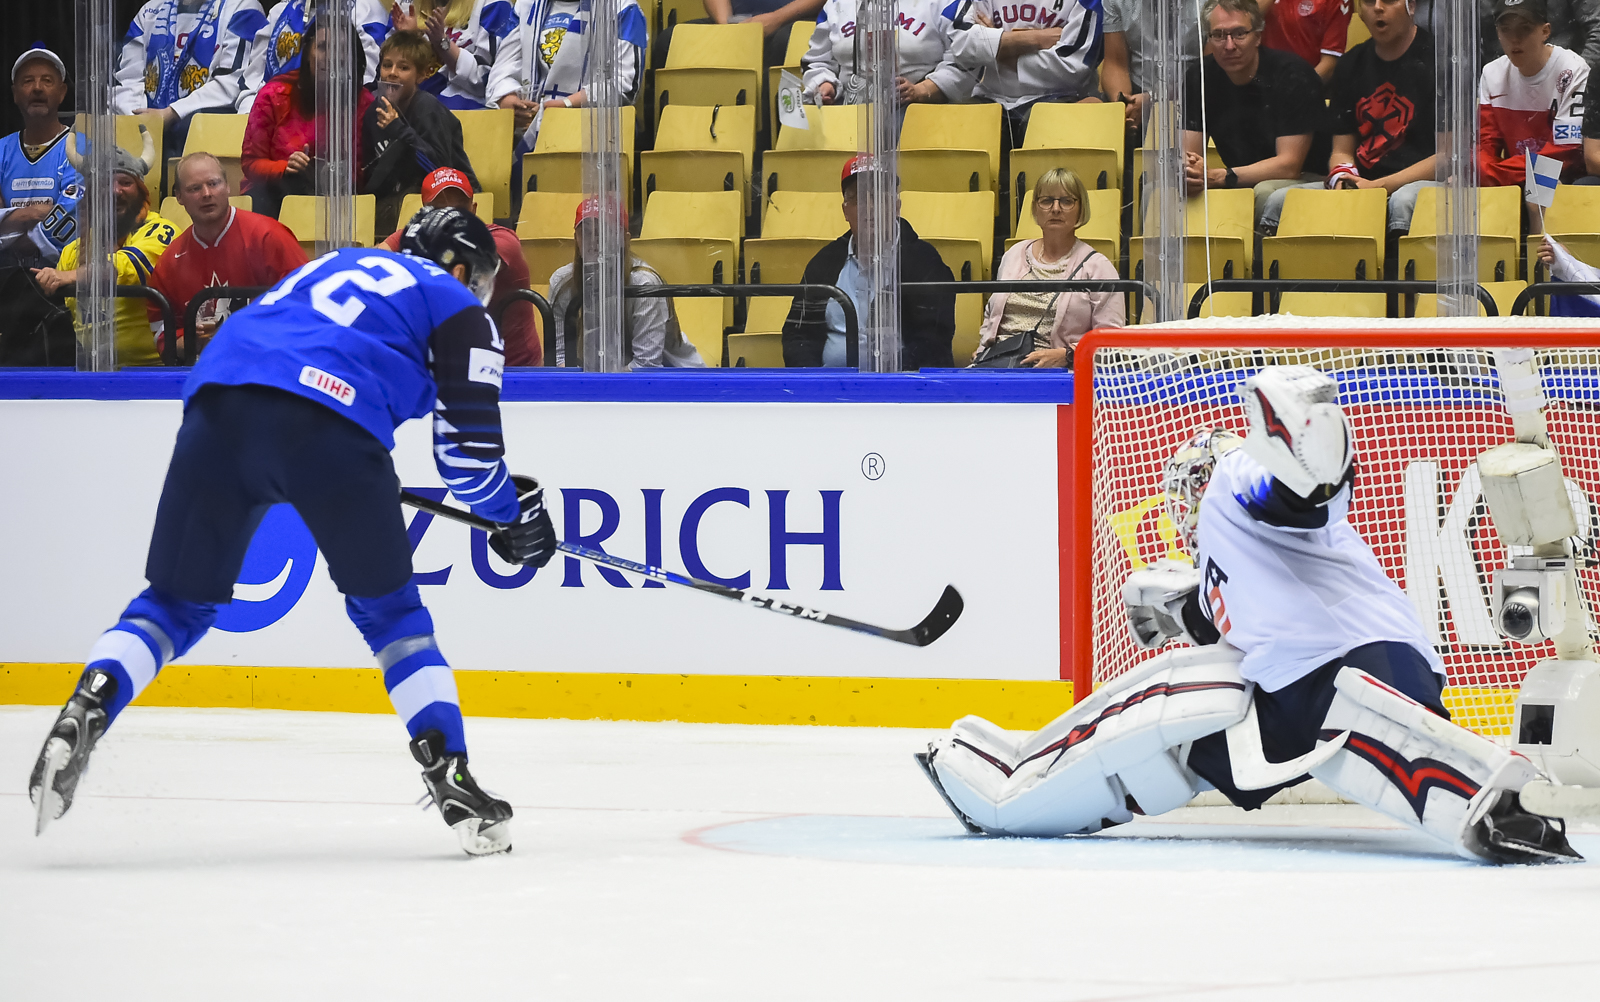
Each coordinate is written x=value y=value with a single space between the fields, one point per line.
x=799 y=42
x=769 y=260
x=717 y=214
x=483 y=201
x=1213 y=162
x=969 y=325
x=692 y=238
x=767 y=314
x=701 y=149
x=811 y=159
x=178 y=216
x=304 y=216
x=222 y=136
x=712 y=64
x=1328 y=235
x=795 y=226
x=545 y=229
x=945 y=170
x=1357 y=34
x=1089 y=138
x=963 y=256
x=486 y=137
x=1499 y=235
x=830 y=127
x=953 y=127
x=1218 y=304
x=1230 y=214
x=556 y=163
x=1103 y=232
x=763 y=350
x=702 y=323
x=1574 y=220
x=1372 y=305
x=672 y=12
x=965 y=215
x=128 y=138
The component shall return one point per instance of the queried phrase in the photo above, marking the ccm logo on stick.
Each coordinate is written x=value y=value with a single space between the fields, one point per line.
x=328 y=383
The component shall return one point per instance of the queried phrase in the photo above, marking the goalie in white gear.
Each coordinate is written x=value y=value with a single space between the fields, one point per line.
x=1307 y=660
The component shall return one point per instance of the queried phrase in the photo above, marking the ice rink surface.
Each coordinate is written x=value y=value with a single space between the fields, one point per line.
x=265 y=855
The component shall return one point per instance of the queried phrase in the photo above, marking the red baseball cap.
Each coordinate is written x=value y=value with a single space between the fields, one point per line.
x=589 y=208
x=439 y=180
x=858 y=164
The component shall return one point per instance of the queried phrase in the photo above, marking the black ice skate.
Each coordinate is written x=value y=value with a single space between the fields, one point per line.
x=1510 y=834
x=482 y=822
x=65 y=756
x=925 y=762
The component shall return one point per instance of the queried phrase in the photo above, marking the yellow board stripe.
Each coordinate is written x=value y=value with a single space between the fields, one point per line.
x=717 y=699
x=712 y=699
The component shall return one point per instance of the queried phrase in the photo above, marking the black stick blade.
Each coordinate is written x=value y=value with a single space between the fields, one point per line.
x=938 y=622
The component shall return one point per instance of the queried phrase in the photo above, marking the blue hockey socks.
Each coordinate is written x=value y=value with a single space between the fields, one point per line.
x=154 y=629
x=421 y=685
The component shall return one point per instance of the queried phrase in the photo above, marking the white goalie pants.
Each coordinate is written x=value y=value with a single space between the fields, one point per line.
x=1129 y=745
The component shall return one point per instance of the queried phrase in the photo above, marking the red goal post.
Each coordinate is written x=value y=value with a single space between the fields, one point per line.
x=1424 y=400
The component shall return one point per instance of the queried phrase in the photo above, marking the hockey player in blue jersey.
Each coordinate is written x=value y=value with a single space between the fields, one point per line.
x=296 y=400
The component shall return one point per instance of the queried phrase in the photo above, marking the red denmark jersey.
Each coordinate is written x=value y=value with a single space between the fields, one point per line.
x=1542 y=114
x=252 y=250
x=1310 y=29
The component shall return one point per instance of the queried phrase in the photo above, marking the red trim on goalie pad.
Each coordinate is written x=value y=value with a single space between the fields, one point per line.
x=1413 y=779
x=974 y=749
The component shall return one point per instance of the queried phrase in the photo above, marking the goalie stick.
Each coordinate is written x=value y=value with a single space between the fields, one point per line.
x=933 y=626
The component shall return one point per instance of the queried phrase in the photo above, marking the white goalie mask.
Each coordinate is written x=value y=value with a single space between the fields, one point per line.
x=1187 y=475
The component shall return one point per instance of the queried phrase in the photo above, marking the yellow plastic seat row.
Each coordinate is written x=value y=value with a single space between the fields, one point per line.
x=1328 y=235
x=701 y=149
x=556 y=163
x=1499 y=235
x=712 y=64
x=1228 y=215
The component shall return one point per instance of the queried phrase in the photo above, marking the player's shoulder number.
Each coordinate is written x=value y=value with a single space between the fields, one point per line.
x=396 y=277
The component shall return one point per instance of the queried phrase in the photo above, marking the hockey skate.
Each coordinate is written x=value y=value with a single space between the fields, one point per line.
x=1509 y=833
x=481 y=821
x=65 y=756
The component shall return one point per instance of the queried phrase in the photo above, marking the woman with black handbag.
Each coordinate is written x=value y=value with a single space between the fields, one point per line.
x=1038 y=329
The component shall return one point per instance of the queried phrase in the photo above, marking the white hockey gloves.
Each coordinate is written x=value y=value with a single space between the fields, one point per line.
x=1155 y=598
x=1298 y=431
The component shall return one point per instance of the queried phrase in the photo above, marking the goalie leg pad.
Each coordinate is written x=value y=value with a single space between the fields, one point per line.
x=1408 y=763
x=1081 y=769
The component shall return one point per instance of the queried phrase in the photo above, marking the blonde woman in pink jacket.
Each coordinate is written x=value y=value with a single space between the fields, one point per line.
x=1057 y=319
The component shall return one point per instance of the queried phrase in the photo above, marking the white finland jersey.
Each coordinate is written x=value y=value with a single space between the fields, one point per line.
x=1292 y=599
x=1069 y=69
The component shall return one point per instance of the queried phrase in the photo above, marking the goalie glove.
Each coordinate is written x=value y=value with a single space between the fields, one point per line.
x=1298 y=431
x=1155 y=598
x=531 y=539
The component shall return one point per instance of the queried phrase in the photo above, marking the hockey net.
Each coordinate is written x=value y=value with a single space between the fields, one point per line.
x=1424 y=400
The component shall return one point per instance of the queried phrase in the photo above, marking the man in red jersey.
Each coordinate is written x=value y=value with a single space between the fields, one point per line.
x=449 y=188
x=224 y=246
x=1314 y=30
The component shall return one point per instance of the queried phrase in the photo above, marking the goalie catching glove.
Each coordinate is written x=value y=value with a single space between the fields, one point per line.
x=1298 y=431
x=531 y=539
x=1155 y=598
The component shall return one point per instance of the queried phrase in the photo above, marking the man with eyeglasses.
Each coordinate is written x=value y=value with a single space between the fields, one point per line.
x=1383 y=115
x=1263 y=109
x=223 y=246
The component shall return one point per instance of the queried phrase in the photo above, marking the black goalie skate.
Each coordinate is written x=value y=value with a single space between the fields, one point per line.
x=481 y=821
x=1511 y=834
x=65 y=756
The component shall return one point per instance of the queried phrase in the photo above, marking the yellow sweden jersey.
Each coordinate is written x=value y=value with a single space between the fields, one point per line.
x=135 y=260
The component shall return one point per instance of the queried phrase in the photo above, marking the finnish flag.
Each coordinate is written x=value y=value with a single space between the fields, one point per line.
x=1543 y=173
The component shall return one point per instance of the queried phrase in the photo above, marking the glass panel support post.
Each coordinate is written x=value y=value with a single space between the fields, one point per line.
x=603 y=239
x=877 y=235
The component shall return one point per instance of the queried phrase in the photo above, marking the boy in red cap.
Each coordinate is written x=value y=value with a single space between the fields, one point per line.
x=450 y=188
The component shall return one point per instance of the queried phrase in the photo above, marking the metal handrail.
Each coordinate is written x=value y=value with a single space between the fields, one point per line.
x=1538 y=289
x=851 y=325
x=145 y=292
x=191 y=345
x=546 y=314
x=1379 y=286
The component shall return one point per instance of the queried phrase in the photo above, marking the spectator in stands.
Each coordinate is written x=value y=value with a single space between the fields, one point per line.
x=1056 y=319
x=1029 y=53
x=652 y=338
x=286 y=23
x=407 y=133
x=552 y=50
x=1263 y=108
x=39 y=192
x=1575 y=25
x=188 y=57
x=1314 y=30
x=142 y=238
x=280 y=138
x=222 y=246
x=928 y=70
x=777 y=18
x=1530 y=100
x=814 y=333
x=1383 y=117
x=449 y=188
x=1122 y=70
x=478 y=59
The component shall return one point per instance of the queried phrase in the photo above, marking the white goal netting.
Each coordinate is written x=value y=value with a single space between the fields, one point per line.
x=1424 y=400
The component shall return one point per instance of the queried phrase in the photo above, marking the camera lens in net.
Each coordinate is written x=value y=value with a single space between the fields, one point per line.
x=1518 y=618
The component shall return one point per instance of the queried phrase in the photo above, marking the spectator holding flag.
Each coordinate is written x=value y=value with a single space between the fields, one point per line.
x=1530 y=100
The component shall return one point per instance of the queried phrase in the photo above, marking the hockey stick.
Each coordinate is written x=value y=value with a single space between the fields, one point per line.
x=933 y=626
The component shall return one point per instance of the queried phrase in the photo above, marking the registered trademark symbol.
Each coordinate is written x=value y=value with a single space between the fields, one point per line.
x=872 y=466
